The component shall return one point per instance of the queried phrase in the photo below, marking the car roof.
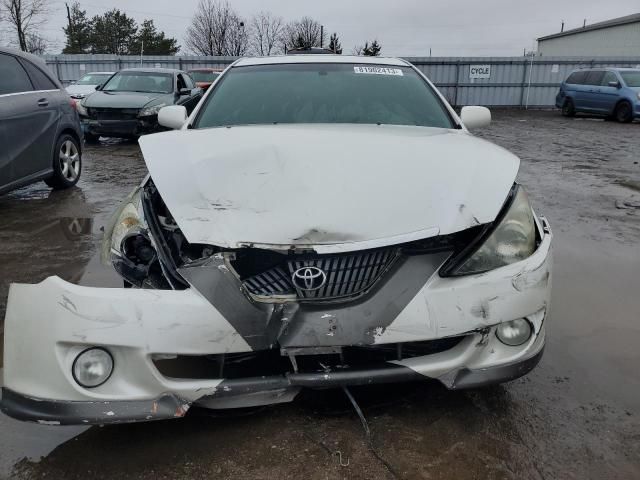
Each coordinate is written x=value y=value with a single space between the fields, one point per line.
x=152 y=70
x=206 y=69
x=302 y=58
x=35 y=60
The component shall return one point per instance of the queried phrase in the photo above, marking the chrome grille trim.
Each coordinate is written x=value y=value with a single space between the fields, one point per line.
x=348 y=275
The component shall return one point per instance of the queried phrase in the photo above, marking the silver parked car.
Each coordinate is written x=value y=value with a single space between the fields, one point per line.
x=39 y=127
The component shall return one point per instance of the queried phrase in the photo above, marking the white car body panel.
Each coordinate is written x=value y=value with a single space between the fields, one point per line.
x=238 y=186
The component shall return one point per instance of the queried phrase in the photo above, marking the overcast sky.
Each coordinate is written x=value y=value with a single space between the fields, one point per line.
x=403 y=27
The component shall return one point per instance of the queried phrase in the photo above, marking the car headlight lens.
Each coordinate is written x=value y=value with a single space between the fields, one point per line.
x=81 y=109
x=125 y=222
x=148 y=111
x=514 y=332
x=512 y=240
x=92 y=367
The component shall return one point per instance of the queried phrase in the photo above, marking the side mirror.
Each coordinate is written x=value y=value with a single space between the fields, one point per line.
x=98 y=87
x=184 y=91
x=173 y=116
x=475 y=117
x=614 y=84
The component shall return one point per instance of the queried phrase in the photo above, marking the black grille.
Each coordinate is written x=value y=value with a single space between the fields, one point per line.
x=346 y=275
x=113 y=113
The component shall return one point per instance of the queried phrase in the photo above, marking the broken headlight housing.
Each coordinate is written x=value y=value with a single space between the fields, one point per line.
x=127 y=245
x=512 y=239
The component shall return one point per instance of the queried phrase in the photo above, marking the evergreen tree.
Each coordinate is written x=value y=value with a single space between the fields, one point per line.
x=78 y=31
x=152 y=42
x=334 y=44
x=372 y=50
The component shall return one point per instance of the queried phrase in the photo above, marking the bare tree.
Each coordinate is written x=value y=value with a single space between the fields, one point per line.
x=266 y=33
x=357 y=50
x=216 y=29
x=36 y=44
x=305 y=33
x=24 y=18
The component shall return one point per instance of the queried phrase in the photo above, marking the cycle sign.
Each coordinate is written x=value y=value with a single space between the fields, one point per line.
x=479 y=71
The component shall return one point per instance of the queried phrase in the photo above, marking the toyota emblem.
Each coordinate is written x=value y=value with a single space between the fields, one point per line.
x=309 y=278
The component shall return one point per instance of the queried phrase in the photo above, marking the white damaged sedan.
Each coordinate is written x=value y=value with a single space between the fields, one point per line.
x=318 y=221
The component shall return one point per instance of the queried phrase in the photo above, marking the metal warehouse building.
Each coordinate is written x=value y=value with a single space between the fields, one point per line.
x=619 y=37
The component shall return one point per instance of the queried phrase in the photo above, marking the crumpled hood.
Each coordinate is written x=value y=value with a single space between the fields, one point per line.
x=330 y=187
x=101 y=99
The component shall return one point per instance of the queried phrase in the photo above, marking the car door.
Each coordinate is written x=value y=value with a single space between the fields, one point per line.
x=608 y=95
x=191 y=100
x=591 y=91
x=30 y=121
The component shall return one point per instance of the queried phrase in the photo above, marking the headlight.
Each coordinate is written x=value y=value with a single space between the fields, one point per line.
x=127 y=245
x=512 y=240
x=81 y=109
x=148 y=111
x=126 y=220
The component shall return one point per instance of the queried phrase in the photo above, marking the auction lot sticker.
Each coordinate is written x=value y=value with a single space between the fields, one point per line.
x=378 y=70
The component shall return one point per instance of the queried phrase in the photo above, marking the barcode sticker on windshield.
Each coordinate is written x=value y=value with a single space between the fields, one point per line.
x=378 y=70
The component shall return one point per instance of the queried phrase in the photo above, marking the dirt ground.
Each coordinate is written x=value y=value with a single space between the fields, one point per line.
x=577 y=416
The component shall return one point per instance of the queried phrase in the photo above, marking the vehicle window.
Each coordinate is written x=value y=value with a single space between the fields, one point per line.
x=594 y=77
x=608 y=77
x=147 y=82
x=181 y=83
x=13 y=77
x=203 y=76
x=577 y=78
x=39 y=79
x=631 y=78
x=93 y=79
x=188 y=81
x=323 y=93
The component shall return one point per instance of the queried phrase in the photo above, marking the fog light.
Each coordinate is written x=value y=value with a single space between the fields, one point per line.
x=514 y=332
x=92 y=367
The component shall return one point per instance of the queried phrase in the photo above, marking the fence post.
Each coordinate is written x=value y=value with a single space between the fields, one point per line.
x=180 y=62
x=455 y=91
x=523 y=82
x=119 y=63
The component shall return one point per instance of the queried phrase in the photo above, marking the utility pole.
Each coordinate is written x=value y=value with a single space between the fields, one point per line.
x=562 y=27
x=141 y=51
x=321 y=34
x=71 y=36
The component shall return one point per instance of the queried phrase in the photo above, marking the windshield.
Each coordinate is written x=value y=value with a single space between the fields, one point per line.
x=148 y=82
x=203 y=76
x=93 y=79
x=323 y=93
x=631 y=78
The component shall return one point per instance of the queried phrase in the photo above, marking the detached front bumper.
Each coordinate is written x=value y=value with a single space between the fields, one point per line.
x=138 y=326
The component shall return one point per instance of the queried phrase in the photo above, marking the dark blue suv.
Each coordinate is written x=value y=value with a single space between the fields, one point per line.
x=613 y=92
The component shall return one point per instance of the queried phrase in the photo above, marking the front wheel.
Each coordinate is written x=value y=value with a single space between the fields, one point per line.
x=67 y=163
x=568 y=109
x=623 y=112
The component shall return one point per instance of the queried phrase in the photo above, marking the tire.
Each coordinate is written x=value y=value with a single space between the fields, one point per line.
x=623 y=112
x=67 y=163
x=91 y=138
x=568 y=108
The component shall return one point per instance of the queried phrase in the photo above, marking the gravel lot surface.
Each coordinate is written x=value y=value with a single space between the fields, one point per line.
x=576 y=416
